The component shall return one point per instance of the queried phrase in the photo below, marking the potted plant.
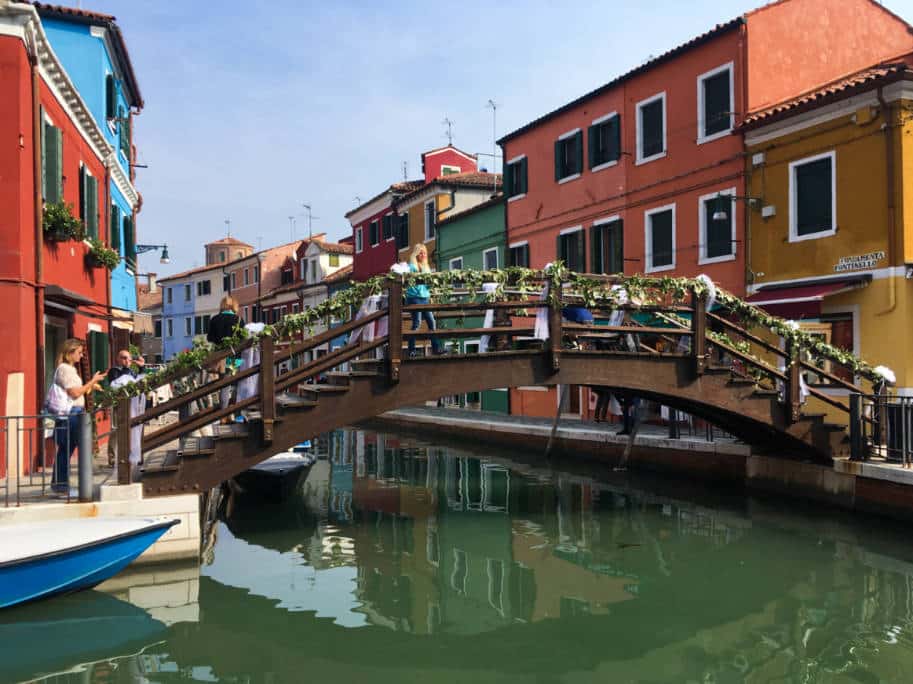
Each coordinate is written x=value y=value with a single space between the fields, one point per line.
x=59 y=223
x=101 y=255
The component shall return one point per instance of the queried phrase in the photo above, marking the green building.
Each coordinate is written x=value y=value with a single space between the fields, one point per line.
x=473 y=239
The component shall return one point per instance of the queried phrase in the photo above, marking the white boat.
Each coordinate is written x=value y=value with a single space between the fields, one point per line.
x=277 y=477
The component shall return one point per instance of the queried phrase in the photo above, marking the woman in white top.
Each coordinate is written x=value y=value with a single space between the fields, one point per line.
x=66 y=431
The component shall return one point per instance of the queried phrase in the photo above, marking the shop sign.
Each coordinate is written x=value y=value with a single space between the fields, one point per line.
x=855 y=263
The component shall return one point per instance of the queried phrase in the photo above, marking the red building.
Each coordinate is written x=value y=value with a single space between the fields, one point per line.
x=378 y=231
x=55 y=152
x=628 y=177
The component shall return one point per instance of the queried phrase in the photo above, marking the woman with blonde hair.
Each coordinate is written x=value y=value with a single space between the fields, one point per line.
x=419 y=294
x=67 y=427
x=224 y=323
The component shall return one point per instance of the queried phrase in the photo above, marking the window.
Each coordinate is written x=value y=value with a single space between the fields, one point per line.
x=715 y=116
x=518 y=254
x=204 y=287
x=201 y=325
x=402 y=235
x=170 y=327
x=430 y=220
x=334 y=258
x=246 y=313
x=187 y=327
x=114 y=229
x=256 y=274
x=373 y=234
x=239 y=255
x=571 y=249
x=604 y=141
x=569 y=155
x=88 y=201
x=312 y=264
x=660 y=238
x=283 y=311
x=187 y=292
x=246 y=277
x=717 y=241
x=651 y=128
x=255 y=313
x=52 y=164
x=358 y=240
x=835 y=329
x=812 y=197
x=157 y=331
x=295 y=307
x=222 y=256
x=448 y=170
x=110 y=97
x=287 y=276
x=515 y=173
x=124 y=122
x=456 y=264
x=169 y=295
x=387 y=226
x=607 y=246
x=490 y=259
x=226 y=283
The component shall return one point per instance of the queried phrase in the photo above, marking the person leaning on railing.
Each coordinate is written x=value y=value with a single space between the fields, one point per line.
x=67 y=427
x=419 y=294
x=221 y=327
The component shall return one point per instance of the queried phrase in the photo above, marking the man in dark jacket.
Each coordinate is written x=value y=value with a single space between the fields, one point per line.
x=123 y=365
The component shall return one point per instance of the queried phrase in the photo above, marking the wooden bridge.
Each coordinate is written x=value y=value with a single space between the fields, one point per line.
x=724 y=365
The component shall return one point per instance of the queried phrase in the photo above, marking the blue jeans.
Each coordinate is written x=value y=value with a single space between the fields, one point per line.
x=417 y=317
x=66 y=436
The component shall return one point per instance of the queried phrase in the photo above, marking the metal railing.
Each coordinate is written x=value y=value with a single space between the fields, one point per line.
x=881 y=426
x=32 y=462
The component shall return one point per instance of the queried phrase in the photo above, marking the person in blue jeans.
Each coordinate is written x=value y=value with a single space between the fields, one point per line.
x=66 y=427
x=419 y=294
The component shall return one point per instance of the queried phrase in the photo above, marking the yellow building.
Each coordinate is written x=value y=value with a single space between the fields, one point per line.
x=440 y=199
x=829 y=219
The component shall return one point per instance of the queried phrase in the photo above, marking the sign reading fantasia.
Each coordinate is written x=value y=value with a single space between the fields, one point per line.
x=854 y=263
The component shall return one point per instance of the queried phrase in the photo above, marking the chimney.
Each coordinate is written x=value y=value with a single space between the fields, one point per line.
x=153 y=283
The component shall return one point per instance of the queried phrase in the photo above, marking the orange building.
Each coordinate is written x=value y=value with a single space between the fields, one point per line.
x=627 y=177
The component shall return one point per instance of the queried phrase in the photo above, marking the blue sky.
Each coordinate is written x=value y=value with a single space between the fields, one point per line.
x=253 y=108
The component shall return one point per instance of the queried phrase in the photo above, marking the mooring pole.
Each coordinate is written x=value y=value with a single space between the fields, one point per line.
x=85 y=457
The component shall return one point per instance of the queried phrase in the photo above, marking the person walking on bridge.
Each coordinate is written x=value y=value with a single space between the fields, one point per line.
x=419 y=294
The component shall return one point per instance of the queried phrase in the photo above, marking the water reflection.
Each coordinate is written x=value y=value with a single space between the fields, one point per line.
x=408 y=562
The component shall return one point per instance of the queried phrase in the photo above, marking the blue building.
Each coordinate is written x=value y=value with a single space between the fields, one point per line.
x=92 y=49
x=178 y=310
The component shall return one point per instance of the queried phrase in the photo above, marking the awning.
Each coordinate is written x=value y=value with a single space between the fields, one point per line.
x=803 y=300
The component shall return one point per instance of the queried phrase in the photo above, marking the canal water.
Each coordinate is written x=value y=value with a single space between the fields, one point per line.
x=403 y=561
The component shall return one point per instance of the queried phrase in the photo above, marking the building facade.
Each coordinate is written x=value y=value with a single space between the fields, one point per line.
x=628 y=177
x=93 y=52
x=474 y=239
x=831 y=238
x=257 y=274
x=378 y=232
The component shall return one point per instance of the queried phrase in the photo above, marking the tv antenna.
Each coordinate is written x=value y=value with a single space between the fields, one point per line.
x=405 y=171
x=449 y=124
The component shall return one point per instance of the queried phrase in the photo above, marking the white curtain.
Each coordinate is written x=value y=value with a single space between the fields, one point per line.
x=137 y=407
x=489 y=321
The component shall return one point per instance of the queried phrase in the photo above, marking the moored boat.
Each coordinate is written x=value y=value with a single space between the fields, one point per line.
x=277 y=477
x=42 y=559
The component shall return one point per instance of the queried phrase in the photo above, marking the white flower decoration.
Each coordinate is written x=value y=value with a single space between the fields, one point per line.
x=886 y=373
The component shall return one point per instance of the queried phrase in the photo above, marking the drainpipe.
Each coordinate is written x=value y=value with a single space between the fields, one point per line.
x=742 y=112
x=107 y=215
x=39 y=226
x=889 y=189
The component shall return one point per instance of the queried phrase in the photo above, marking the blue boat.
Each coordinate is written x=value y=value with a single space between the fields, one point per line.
x=38 y=560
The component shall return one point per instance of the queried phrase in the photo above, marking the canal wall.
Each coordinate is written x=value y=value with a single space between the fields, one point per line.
x=180 y=542
x=876 y=488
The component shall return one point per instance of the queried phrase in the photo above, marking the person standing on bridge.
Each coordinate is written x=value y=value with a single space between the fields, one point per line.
x=419 y=294
x=221 y=327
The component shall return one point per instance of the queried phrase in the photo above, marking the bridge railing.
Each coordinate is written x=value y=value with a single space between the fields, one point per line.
x=631 y=315
x=881 y=426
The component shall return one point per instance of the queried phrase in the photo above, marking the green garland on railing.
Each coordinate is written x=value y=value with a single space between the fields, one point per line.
x=601 y=292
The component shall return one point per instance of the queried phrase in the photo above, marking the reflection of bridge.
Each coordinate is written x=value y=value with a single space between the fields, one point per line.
x=682 y=355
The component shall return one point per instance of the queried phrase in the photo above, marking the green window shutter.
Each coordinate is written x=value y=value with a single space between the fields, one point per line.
x=92 y=206
x=125 y=133
x=99 y=357
x=114 y=237
x=578 y=155
x=596 y=248
x=557 y=160
x=51 y=168
x=44 y=149
x=558 y=249
x=83 y=214
x=508 y=179
x=614 y=139
x=523 y=175
x=110 y=97
x=617 y=247
x=591 y=135
x=129 y=242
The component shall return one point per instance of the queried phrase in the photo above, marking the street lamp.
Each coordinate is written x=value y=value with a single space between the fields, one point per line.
x=139 y=249
x=721 y=201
